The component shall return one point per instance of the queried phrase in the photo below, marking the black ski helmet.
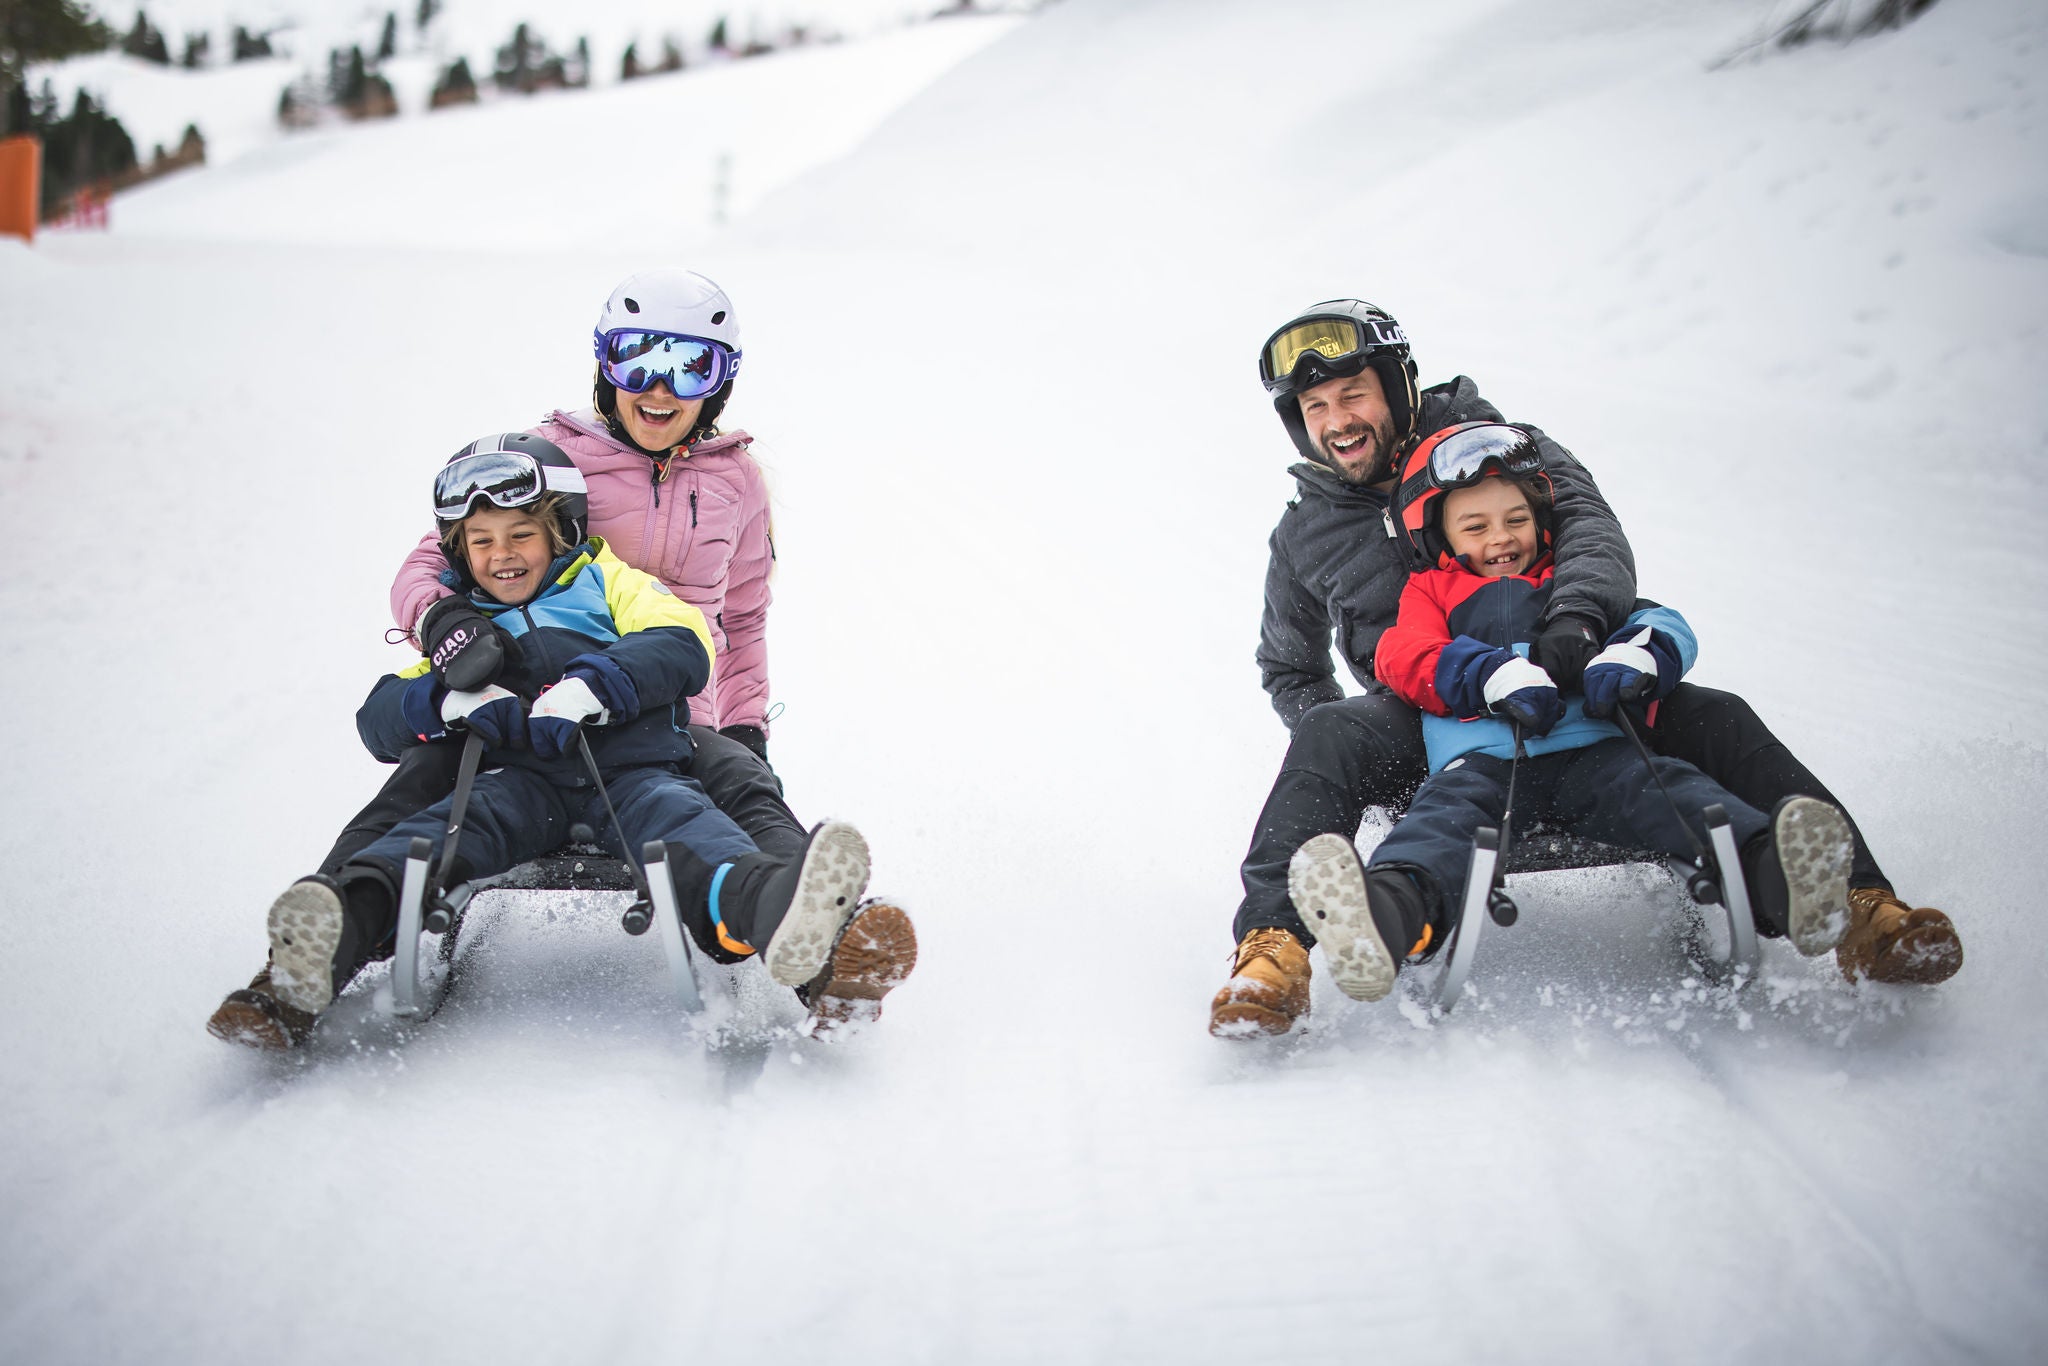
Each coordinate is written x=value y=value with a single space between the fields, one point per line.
x=511 y=470
x=677 y=301
x=1333 y=340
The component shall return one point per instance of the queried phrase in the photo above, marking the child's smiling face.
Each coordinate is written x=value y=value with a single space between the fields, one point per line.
x=509 y=552
x=1491 y=525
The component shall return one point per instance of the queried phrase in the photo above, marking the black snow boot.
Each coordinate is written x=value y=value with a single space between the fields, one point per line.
x=1798 y=875
x=1366 y=922
x=791 y=909
x=323 y=930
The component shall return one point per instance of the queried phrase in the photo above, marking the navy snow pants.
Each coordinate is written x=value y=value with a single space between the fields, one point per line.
x=739 y=784
x=1601 y=791
x=515 y=814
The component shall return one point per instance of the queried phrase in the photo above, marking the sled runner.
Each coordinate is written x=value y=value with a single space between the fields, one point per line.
x=427 y=906
x=1711 y=877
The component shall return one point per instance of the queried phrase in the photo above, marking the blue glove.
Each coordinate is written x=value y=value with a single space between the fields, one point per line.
x=494 y=713
x=1518 y=691
x=559 y=713
x=1638 y=665
x=1477 y=679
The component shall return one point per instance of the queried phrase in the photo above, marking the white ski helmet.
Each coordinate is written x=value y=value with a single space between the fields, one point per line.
x=676 y=301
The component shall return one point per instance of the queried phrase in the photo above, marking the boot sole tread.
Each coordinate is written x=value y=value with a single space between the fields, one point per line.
x=875 y=954
x=244 y=1019
x=305 y=930
x=1327 y=883
x=834 y=874
x=1814 y=852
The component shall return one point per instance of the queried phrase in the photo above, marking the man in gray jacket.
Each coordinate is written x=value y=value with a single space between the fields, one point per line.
x=1344 y=385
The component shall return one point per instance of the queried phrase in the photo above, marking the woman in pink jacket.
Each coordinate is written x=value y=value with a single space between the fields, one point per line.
x=673 y=496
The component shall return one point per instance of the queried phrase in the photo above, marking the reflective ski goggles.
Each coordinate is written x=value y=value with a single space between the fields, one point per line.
x=691 y=367
x=507 y=479
x=1461 y=455
x=1332 y=338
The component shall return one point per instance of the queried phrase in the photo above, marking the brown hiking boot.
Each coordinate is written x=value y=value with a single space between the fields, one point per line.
x=1889 y=941
x=1268 y=987
x=254 y=1016
x=874 y=951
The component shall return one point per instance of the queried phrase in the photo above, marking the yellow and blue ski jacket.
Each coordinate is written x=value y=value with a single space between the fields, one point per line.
x=652 y=648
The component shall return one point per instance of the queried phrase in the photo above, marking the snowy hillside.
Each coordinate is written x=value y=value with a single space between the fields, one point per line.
x=1001 y=301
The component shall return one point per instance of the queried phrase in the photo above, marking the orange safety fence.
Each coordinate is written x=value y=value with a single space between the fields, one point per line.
x=21 y=171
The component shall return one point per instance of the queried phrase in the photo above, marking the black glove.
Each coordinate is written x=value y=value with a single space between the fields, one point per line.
x=1563 y=648
x=465 y=650
x=753 y=737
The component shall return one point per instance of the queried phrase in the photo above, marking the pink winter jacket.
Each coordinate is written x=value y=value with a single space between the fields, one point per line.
x=703 y=532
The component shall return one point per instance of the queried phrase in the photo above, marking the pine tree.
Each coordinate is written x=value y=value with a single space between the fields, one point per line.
x=347 y=77
x=146 y=41
x=40 y=31
x=515 y=62
x=629 y=65
x=717 y=42
x=197 y=45
x=387 y=46
x=455 y=86
x=87 y=147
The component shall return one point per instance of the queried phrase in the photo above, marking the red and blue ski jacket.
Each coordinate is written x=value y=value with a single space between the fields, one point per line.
x=1447 y=616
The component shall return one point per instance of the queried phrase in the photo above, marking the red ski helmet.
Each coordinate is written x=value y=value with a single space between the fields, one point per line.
x=1458 y=457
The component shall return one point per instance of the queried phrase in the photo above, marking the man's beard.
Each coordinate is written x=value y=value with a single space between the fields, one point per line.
x=1372 y=471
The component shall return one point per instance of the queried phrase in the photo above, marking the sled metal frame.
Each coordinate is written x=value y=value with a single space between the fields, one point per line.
x=576 y=867
x=1716 y=881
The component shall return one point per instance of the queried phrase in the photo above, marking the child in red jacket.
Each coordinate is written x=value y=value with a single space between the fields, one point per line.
x=1473 y=507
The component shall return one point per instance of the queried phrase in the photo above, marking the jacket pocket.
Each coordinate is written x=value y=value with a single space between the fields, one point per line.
x=703 y=528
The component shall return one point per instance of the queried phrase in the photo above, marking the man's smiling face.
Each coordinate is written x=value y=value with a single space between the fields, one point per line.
x=1350 y=423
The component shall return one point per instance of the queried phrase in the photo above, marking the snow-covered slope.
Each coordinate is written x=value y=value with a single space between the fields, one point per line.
x=1000 y=355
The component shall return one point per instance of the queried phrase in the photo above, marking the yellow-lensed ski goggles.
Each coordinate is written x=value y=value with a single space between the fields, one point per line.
x=1334 y=339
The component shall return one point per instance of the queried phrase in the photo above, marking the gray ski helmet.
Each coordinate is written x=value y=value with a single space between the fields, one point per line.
x=511 y=470
x=673 y=300
x=1332 y=340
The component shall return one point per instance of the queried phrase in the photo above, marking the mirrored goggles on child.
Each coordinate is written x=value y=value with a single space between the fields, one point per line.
x=1462 y=457
x=691 y=367
x=506 y=478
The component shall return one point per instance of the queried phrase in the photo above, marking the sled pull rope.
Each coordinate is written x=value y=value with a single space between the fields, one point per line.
x=641 y=910
x=458 y=808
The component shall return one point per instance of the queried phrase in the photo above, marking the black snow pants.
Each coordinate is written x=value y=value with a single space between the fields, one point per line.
x=1600 y=791
x=1367 y=751
x=735 y=778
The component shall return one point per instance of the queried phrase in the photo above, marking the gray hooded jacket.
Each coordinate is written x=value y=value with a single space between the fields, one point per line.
x=1337 y=566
